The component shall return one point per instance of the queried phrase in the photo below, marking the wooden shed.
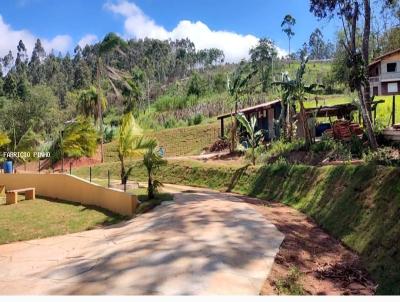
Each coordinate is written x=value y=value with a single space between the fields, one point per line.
x=266 y=114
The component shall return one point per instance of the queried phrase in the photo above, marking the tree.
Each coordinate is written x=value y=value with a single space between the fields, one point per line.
x=36 y=70
x=4 y=140
x=152 y=161
x=79 y=138
x=350 y=11
x=22 y=58
x=8 y=62
x=29 y=142
x=237 y=86
x=196 y=85
x=254 y=137
x=317 y=45
x=287 y=27
x=262 y=57
x=10 y=85
x=296 y=90
x=130 y=143
x=88 y=103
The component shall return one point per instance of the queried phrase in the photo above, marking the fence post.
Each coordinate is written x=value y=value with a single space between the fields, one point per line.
x=70 y=168
x=125 y=185
x=108 y=176
x=394 y=110
x=90 y=174
x=39 y=165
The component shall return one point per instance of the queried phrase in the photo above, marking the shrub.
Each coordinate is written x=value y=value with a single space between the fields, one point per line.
x=281 y=147
x=326 y=144
x=109 y=133
x=382 y=156
x=290 y=285
x=198 y=118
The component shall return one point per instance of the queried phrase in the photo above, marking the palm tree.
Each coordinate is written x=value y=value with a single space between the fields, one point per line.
x=88 y=103
x=152 y=160
x=131 y=143
x=287 y=25
x=237 y=85
x=254 y=136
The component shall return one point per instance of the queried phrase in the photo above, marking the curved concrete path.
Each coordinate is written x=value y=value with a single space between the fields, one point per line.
x=203 y=243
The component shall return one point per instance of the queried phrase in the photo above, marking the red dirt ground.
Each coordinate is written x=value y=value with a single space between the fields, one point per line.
x=327 y=267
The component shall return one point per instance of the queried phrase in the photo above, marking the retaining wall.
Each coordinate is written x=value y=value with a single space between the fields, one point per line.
x=71 y=188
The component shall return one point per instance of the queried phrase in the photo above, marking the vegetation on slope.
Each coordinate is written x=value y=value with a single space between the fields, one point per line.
x=359 y=205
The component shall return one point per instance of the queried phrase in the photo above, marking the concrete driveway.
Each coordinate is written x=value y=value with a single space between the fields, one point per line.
x=202 y=243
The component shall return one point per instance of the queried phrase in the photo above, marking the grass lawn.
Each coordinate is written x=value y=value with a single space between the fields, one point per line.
x=40 y=218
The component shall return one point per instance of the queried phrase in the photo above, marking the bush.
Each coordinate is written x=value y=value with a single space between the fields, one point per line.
x=382 y=156
x=197 y=119
x=281 y=147
x=325 y=145
x=290 y=285
x=109 y=133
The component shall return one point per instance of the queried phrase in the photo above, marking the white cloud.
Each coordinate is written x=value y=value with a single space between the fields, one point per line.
x=88 y=40
x=10 y=38
x=138 y=25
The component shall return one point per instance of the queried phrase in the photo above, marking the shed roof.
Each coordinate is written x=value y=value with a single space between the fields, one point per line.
x=252 y=109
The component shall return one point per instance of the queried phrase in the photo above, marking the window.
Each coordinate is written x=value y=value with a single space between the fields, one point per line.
x=392 y=87
x=391 y=67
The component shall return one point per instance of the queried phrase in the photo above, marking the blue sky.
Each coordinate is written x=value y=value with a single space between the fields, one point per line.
x=234 y=25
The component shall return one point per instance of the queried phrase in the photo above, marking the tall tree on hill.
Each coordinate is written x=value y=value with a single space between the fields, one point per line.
x=350 y=11
x=262 y=57
x=22 y=58
x=36 y=72
x=8 y=61
x=287 y=27
x=317 y=45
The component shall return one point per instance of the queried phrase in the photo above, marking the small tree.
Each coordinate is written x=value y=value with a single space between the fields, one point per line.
x=237 y=86
x=152 y=160
x=296 y=90
x=79 y=139
x=130 y=143
x=254 y=136
x=4 y=140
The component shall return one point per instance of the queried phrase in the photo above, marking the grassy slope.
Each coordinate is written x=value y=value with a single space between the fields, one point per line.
x=178 y=141
x=32 y=219
x=358 y=204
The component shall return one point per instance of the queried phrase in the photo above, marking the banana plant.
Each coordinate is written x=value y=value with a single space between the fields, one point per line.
x=254 y=136
x=237 y=86
x=295 y=91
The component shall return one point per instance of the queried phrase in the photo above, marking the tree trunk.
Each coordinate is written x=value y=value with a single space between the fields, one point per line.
x=233 y=130
x=123 y=172
x=365 y=54
x=367 y=121
x=100 y=111
x=364 y=89
x=304 y=122
x=150 y=188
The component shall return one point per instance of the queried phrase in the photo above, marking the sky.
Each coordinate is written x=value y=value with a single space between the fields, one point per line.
x=231 y=25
